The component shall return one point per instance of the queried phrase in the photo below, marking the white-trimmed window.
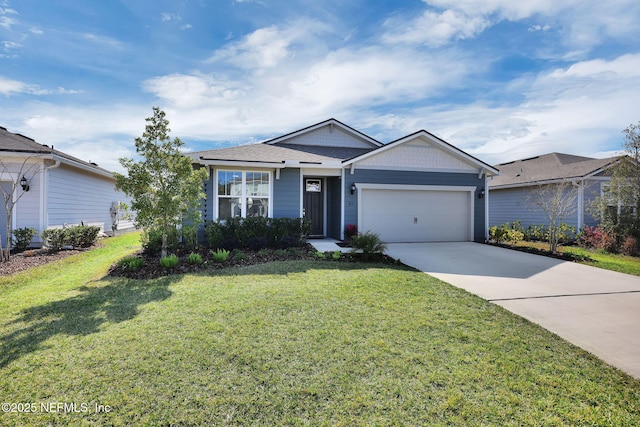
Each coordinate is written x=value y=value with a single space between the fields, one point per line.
x=243 y=193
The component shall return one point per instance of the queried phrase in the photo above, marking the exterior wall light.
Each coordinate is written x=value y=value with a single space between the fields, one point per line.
x=353 y=188
x=481 y=194
x=24 y=184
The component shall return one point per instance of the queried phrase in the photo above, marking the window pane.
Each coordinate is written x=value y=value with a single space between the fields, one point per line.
x=229 y=207
x=229 y=183
x=258 y=183
x=257 y=206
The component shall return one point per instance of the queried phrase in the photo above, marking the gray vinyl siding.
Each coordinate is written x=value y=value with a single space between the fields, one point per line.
x=370 y=176
x=591 y=192
x=75 y=196
x=508 y=205
x=286 y=194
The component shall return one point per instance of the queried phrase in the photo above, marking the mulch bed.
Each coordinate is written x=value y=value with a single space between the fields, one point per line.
x=34 y=258
x=558 y=255
x=152 y=268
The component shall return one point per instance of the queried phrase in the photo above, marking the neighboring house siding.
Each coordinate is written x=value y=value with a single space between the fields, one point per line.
x=592 y=190
x=75 y=196
x=414 y=178
x=509 y=205
x=286 y=194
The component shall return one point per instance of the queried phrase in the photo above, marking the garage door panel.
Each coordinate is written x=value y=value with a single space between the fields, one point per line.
x=416 y=216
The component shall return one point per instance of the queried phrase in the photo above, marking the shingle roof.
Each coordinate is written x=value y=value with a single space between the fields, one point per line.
x=16 y=143
x=281 y=153
x=548 y=167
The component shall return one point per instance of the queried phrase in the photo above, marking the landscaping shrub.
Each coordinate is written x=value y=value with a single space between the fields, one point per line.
x=132 y=262
x=629 y=246
x=152 y=240
x=238 y=255
x=369 y=243
x=288 y=242
x=54 y=238
x=350 y=230
x=169 y=261
x=194 y=258
x=220 y=255
x=22 y=237
x=81 y=236
x=229 y=244
x=599 y=239
x=214 y=233
x=257 y=243
x=234 y=233
x=505 y=233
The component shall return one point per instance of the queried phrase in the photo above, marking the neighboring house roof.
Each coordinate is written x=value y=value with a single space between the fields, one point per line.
x=23 y=145
x=548 y=168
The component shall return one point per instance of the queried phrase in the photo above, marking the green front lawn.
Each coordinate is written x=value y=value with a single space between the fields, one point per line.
x=615 y=262
x=287 y=343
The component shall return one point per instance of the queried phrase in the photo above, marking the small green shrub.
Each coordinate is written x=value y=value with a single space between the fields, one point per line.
x=319 y=254
x=220 y=255
x=194 y=259
x=238 y=255
x=281 y=253
x=505 y=233
x=336 y=255
x=81 y=236
x=295 y=251
x=54 y=238
x=369 y=243
x=169 y=261
x=131 y=262
x=263 y=252
x=22 y=237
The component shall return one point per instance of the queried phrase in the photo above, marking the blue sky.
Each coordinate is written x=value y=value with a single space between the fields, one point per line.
x=500 y=79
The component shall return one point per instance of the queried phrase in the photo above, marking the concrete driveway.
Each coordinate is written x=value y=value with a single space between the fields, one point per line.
x=596 y=309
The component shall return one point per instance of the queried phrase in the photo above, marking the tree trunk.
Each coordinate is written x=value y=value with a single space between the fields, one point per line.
x=163 y=251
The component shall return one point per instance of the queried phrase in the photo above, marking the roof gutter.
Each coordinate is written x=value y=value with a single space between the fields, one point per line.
x=60 y=159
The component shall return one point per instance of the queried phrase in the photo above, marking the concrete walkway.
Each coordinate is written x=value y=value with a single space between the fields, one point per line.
x=596 y=309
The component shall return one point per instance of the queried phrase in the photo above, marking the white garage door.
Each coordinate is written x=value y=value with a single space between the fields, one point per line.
x=416 y=215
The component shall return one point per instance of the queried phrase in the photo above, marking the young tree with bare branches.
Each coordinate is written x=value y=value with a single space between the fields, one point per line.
x=11 y=194
x=558 y=201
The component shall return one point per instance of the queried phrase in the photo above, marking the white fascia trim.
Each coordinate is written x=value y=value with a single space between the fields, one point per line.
x=231 y=164
x=100 y=172
x=365 y=186
x=399 y=168
x=321 y=171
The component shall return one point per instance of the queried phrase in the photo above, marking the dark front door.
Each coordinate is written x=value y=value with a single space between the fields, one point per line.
x=314 y=205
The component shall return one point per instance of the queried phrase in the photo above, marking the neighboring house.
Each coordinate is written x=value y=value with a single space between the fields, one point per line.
x=417 y=188
x=510 y=193
x=60 y=189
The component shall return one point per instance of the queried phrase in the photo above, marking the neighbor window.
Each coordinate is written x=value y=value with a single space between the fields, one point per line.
x=243 y=194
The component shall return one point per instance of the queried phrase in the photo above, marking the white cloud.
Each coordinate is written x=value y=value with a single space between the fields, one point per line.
x=8 y=86
x=434 y=29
